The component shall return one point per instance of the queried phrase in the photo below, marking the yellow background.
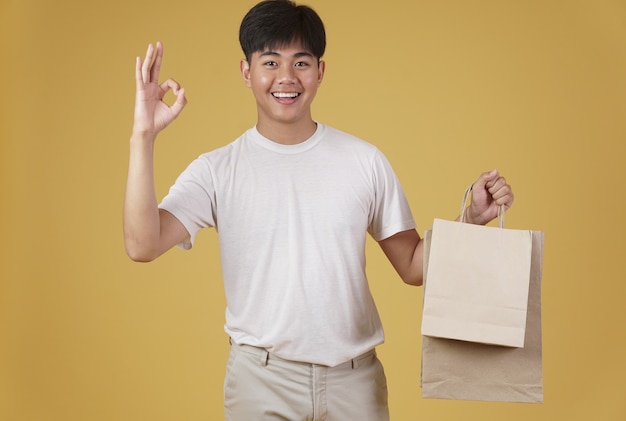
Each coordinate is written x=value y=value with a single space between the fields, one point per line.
x=447 y=89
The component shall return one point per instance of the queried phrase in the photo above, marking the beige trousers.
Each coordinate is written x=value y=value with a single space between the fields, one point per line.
x=260 y=386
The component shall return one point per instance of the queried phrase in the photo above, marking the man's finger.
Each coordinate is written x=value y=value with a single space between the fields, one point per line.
x=181 y=100
x=156 y=66
x=145 y=69
x=484 y=179
x=169 y=84
x=138 y=76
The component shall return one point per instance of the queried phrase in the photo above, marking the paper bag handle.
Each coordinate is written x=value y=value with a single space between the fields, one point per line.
x=464 y=207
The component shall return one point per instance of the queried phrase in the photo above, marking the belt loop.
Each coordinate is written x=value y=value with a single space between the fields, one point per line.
x=264 y=357
x=356 y=360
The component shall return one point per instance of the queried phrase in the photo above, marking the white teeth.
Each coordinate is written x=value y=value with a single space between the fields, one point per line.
x=285 y=94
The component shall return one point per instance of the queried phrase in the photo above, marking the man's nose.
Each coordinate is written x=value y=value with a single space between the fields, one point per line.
x=286 y=74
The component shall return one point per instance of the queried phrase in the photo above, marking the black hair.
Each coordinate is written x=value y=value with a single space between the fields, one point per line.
x=278 y=23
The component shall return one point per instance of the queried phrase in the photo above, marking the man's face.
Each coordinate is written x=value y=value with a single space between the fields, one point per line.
x=284 y=82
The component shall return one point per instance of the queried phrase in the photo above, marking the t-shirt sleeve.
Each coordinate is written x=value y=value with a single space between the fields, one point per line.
x=192 y=199
x=390 y=213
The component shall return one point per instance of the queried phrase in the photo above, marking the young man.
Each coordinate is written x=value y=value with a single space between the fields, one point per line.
x=293 y=201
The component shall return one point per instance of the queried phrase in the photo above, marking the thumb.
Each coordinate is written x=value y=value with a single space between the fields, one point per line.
x=181 y=101
x=486 y=180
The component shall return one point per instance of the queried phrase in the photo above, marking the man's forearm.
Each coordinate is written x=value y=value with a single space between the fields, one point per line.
x=141 y=213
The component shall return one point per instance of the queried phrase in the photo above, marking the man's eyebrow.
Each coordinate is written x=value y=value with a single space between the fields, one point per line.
x=303 y=54
x=270 y=53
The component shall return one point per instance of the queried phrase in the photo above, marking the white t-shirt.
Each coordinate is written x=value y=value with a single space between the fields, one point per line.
x=292 y=222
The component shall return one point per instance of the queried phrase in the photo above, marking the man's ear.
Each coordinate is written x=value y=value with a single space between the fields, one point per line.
x=321 y=69
x=244 y=66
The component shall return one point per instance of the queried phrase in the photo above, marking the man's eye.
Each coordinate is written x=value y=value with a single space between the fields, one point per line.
x=270 y=63
x=302 y=64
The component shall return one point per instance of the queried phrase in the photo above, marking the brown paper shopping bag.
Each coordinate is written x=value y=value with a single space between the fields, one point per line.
x=477 y=283
x=453 y=369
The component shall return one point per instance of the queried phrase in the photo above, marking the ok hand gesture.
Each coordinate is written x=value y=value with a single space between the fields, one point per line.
x=152 y=114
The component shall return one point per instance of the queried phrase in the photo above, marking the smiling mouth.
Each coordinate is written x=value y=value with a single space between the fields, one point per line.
x=288 y=95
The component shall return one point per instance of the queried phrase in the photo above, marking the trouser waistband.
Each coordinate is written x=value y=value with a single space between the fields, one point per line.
x=265 y=356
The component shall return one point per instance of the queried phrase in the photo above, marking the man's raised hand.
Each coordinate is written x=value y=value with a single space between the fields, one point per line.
x=152 y=114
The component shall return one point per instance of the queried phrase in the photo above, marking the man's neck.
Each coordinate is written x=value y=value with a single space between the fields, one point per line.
x=288 y=133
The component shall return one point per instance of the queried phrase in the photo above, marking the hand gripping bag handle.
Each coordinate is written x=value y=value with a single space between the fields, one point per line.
x=464 y=208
